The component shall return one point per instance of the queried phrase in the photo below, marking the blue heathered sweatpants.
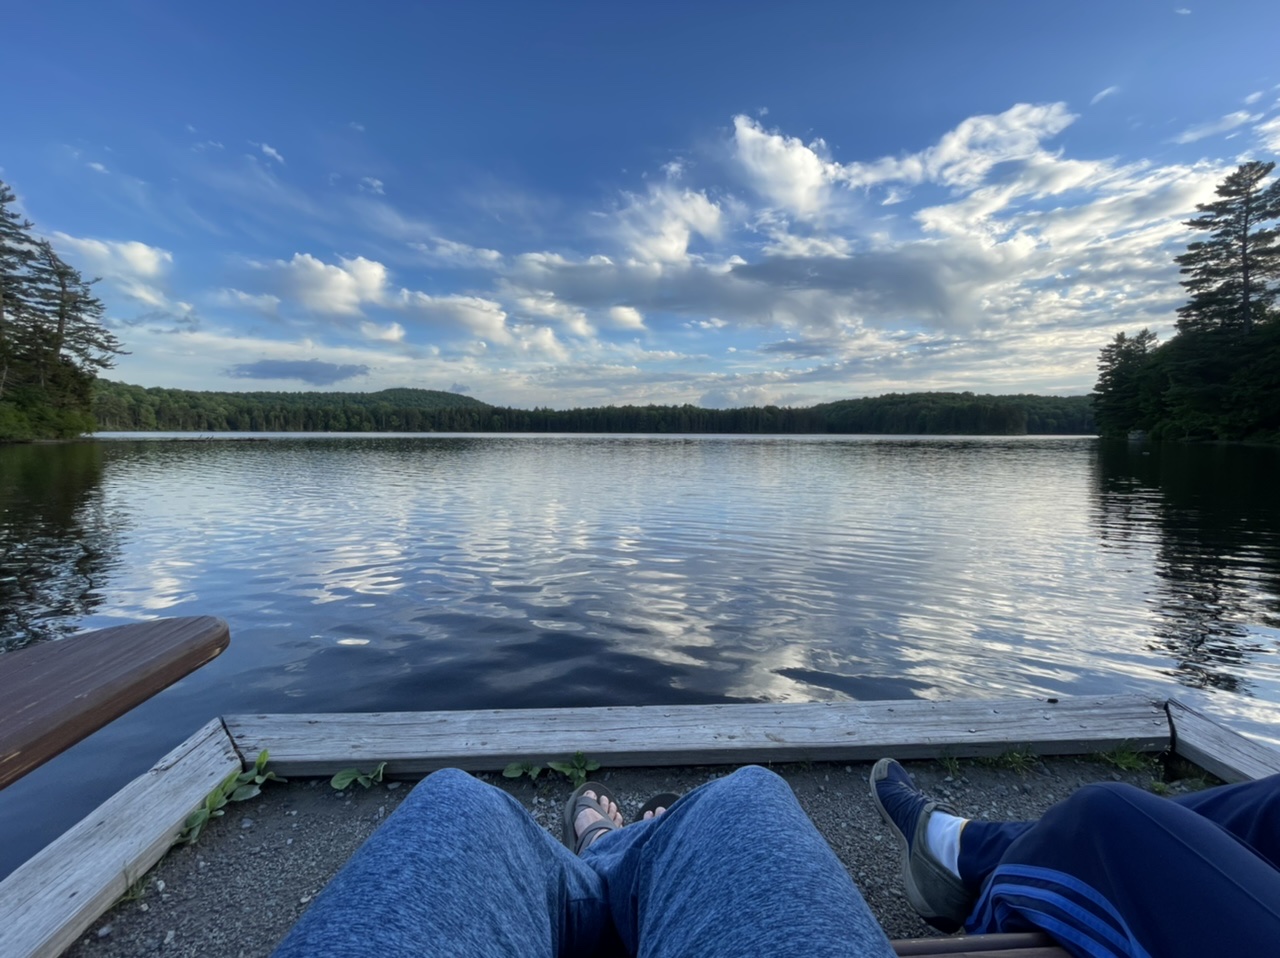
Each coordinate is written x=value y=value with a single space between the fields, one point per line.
x=734 y=867
x=1116 y=871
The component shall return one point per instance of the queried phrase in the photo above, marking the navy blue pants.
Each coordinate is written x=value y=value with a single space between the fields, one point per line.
x=1117 y=871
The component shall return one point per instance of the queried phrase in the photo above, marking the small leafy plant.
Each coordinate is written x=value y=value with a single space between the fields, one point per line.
x=1126 y=758
x=345 y=778
x=1021 y=760
x=236 y=787
x=576 y=769
x=516 y=769
x=951 y=764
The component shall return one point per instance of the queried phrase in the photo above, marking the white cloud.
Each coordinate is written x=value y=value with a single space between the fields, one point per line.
x=789 y=173
x=1103 y=94
x=97 y=167
x=369 y=184
x=452 y=253
x=358 y=127
x=1228 y=122
x=391 y=333
x=1269 y=133
x=542 y=303
x=1182 y=11
x=264 y=303
x=272 y=152
x=338 y=290
x=659 y=226
x=1254 y=97
x=626 y=317
x=483 y=318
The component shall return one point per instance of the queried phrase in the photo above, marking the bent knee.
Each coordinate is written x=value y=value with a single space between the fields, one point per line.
x=1106 y=802
x=452 y=784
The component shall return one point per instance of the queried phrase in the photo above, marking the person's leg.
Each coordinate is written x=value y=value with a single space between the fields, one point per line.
x=1250 y=811
x=735 y=867
x=1114 y=870
x=458 y=869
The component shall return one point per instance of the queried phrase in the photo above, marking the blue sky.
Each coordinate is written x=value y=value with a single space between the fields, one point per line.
x=584 y=203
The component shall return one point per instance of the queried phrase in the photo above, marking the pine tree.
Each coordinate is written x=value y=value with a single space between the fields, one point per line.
x=17 y=250
x=52 y=341
x=1231 y=275
x=1117 y=397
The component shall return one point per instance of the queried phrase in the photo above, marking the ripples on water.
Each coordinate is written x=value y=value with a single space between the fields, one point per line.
x=483 y=572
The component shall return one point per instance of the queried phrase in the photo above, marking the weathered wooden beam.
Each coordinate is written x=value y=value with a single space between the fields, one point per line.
x=1012 y=945
x=1217 y=749
x=54 y=694
x=419 y=742
x=49 y=901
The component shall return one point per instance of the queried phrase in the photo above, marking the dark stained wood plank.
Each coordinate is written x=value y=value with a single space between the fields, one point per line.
x=1218 y=749
x=51 y=899
x=54 y=694
x=419 y=742
x=1020 y=945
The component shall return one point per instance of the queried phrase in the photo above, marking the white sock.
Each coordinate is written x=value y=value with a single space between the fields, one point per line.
x=942 y=837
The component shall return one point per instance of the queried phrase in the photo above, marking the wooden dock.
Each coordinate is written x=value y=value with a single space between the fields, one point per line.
x=52 y=899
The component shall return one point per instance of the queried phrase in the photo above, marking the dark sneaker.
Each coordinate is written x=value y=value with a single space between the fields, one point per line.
x=939 y=896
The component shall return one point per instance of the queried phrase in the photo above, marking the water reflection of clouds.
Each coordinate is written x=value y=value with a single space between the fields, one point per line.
x=704 y=570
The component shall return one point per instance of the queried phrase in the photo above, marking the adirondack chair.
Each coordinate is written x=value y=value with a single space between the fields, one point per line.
x=54 y=694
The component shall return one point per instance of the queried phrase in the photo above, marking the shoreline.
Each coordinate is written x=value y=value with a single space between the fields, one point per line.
x=252 y=873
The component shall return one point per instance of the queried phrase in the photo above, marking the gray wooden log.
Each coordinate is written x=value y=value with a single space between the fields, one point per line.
x=414 y=743
x=52 y=899
x=1217 y=749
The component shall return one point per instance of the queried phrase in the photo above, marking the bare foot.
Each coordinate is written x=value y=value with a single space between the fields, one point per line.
x=654 y=813
x=589 y=816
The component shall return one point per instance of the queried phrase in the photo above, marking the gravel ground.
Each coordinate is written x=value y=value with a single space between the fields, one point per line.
x=244 y=883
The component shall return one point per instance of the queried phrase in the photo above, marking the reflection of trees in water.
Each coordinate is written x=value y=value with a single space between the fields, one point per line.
x=1213 y=517
x=56 y=542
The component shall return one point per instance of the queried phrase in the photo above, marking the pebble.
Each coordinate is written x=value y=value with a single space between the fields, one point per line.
x=391 y=787
x=169 y=936
x=104 y=931
x=246 y=823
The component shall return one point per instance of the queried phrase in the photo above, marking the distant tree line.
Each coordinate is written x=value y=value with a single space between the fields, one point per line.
x=1218 y=377
x=122 y=407
x=52 y=342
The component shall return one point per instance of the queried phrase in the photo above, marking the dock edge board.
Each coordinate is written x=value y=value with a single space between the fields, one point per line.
x=48 y=902
x=414 y=743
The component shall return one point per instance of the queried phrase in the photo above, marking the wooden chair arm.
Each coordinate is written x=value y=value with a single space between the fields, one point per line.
x=54 y=694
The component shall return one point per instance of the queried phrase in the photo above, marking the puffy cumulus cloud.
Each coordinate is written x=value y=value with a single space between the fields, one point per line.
x=542 y=303
x=789 y=173
x=390 y=333
x=626 y=317
x=659 y=226
x=452 y=253
x=265 y=303
x=476 y=316
x=136 y=269
x=540 y=341
x=1227 y=123
x=112 y=258
x=310 y=371
x=340 y=289
x=963 y=157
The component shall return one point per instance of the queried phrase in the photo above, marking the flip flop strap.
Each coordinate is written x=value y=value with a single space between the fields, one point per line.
x=592 y=831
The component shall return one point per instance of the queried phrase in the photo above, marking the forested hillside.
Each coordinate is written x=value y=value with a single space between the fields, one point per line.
x=121 y=407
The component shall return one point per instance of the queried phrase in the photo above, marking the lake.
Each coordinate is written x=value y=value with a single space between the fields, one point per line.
x=379 y=572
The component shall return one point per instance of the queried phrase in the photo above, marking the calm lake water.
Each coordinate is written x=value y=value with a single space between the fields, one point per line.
x=451 y=572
